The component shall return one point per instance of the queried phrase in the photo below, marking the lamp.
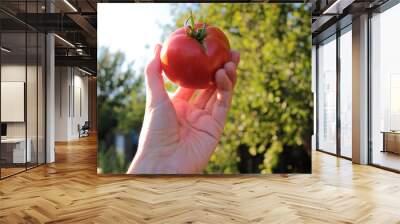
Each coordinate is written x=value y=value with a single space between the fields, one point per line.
x=70 y=5
x=5 y=50
x=64 y=40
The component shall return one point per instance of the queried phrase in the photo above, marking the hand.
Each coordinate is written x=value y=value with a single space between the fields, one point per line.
x=179 y=135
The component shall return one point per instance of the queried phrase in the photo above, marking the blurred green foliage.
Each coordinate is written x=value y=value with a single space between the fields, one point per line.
x=271 y=113
x=121 y=103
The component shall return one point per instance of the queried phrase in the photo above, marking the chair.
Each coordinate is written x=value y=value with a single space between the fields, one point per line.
x=84 y=130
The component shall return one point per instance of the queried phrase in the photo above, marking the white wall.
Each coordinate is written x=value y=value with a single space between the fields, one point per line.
x=71 y=93
x=16 y=73
x=12 y=73
x=33 y=126
x=61 y=103
x=80 y=100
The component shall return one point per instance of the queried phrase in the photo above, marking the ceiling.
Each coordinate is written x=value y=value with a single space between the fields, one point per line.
x=329 y=15
x=73 y=21
x=76 y=22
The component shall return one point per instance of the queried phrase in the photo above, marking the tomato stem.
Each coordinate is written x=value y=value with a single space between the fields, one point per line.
x=198 y=34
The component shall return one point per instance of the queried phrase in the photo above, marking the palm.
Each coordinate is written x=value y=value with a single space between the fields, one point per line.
x=182 y=137
x=178 y=134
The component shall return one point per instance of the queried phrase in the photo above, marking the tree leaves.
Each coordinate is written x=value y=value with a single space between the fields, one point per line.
x=272 y=105
x=121 y=105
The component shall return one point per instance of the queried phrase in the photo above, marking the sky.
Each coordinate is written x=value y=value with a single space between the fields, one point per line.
x=133 y=29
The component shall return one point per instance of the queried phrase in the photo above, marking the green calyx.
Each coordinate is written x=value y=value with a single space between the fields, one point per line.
x=198 y=34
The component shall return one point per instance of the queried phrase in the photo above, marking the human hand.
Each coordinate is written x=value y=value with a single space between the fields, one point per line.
x=179 y=135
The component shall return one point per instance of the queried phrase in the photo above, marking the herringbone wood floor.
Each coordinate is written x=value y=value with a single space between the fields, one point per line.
x=69 y=191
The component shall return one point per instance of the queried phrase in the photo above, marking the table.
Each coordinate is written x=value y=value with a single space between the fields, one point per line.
x=13 y=150
x=391 y=141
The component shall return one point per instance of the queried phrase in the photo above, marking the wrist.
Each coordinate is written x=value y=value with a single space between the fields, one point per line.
x=136 y=166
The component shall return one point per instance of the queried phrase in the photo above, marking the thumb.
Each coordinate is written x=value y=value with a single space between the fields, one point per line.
x=155 y=91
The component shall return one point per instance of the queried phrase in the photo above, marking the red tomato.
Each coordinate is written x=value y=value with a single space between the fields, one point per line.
x=190 y=57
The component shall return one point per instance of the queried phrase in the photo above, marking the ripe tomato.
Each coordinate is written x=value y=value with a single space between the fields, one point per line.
x=192 y=55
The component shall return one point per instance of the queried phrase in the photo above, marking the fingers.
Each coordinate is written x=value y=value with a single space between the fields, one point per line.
x=225 y=79
x=208 y=97
x=224 y=88
x=204 y=97
x=230 y=69
x=215 y=100
x=235 y=57
x=183 y=93
x=223 y=97
x=210 y=104
x=155 y=91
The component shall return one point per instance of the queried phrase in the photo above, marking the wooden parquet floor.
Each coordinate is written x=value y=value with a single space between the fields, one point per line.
x=69 y=191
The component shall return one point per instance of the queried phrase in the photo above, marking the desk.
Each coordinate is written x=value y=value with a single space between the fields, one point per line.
x=391 y=141
x=13 y=150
